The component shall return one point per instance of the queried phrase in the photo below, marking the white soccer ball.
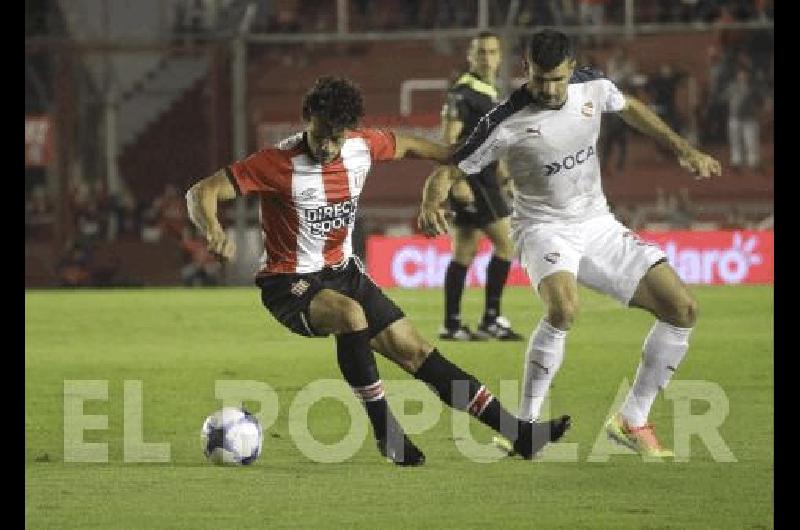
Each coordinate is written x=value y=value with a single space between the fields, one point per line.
x=232 y=436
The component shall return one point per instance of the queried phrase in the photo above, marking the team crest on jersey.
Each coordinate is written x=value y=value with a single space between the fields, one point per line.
x=308 y=194
x=299 y=287
x=553 y=257
x=587 y=109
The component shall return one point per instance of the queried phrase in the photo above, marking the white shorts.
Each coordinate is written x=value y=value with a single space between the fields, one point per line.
x=601 y=252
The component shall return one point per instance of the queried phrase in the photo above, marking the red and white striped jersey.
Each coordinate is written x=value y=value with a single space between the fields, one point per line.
x=308 y=209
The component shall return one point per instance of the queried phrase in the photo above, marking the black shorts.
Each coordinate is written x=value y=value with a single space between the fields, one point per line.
x=489 y=206
x=288 y=296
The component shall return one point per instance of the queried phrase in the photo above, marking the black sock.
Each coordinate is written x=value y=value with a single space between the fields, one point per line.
x=462 y=391
x=454 y=280
x=496 y=275
x=358 y=366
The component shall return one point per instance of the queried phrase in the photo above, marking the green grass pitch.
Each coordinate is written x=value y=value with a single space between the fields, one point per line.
x=178 y=342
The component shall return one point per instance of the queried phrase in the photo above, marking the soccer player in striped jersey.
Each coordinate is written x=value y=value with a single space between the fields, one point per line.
x=479 y=203
x=562 y=227
x=312 y=283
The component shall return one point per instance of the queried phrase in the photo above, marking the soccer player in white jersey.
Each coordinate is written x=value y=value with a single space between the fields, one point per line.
x=562 y=227
x=308 y=187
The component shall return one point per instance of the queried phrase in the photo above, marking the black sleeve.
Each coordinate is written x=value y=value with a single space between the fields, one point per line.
x=586 y=73
x=232 y=180
x=481 y=137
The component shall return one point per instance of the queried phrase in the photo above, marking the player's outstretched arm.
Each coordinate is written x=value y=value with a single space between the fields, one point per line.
x=432 y=220
x=407 y=146
x=201 y=203
x=640 y=117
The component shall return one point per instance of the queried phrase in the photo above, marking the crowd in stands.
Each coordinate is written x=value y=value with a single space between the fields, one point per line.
x=733 y=108
x=274 y=16
x=367 y=15
x=97 y=217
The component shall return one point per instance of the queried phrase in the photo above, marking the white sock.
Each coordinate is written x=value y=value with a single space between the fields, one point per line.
x=542 y=360
x=662 y=352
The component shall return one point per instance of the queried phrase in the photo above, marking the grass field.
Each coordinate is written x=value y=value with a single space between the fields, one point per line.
x=179 y=342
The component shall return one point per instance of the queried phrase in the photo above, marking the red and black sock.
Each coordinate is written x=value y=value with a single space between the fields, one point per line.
x=358 y=366
x=462 y=391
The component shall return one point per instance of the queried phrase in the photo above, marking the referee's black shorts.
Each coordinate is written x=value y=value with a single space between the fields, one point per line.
x=489 y=206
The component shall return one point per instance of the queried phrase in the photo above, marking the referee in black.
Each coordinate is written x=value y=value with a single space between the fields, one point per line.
x=478 y=204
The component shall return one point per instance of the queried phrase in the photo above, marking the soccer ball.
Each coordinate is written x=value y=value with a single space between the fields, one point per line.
x=232 y=436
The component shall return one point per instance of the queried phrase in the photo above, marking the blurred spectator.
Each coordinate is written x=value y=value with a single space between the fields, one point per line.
x=411 y=13
x=764 y=10
x=38 y=202
x=73 y=269
x=674 y=209
x=265 y=17
x=284 y=21
x=86 y=213
x=760 y=47
x=316 y=16
x=621 y=70
x=104 y=204
x=568 y=12
x=662 y=89
x=38 y=211
x=729 y=39
x=662 y=205
x=200 y=267
x=87 y=220
x=746 y=101
x=743 y=10
x=681 y=211
x=361 y=19
x=456 y=13
x=106 y=269
x=735 y=219
x=544 y=12
x=713 y=110
x=498 y=12
x=592 y=13
x=195 y=17
x=128 y=212
x=705 y=11
x=169 y=212
x=672 y=11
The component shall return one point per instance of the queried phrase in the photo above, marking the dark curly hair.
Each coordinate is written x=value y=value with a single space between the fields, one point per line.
x=337 y=101
x=549 y=48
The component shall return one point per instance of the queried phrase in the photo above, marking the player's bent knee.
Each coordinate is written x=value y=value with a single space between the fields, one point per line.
x=682 y=312
x=562 y=314
x=687 y=313
x=410 y=359
x=417 y=359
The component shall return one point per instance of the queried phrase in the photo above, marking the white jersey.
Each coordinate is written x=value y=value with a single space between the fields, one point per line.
x=551 y=154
